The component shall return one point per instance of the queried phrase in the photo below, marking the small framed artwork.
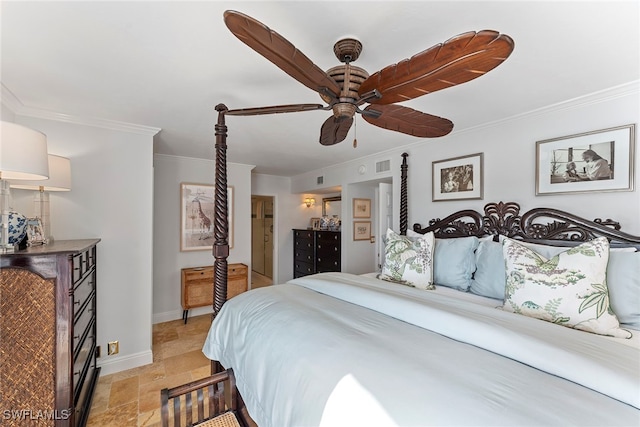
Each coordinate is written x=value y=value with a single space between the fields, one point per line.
x=197 y=211
x=361 y=230
x=458 y=178
x=35 y=233
x=314 y=224
x=601 y=160
x=362 y=208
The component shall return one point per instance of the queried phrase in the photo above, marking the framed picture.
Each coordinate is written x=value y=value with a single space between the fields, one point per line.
x=601 y=160
x=35 y=232
x=362 y=208
x=361 y=230
x=197 y=213
x=459 y=178
x=315 y=223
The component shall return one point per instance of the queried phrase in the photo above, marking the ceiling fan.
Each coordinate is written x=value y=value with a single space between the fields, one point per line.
x=345 y=88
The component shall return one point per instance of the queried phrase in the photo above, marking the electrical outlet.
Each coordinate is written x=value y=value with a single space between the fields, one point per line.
x=113 y=348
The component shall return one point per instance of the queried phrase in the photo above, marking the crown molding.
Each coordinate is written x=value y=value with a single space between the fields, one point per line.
x=15 y=105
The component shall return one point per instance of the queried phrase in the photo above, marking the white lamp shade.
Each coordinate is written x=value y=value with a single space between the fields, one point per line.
x=23 y=153
x=59 y=177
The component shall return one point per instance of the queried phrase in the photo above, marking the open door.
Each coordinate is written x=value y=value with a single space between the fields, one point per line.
x=385 y=217
x=261 y=241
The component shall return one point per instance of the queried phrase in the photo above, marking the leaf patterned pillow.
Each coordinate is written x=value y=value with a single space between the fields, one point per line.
x=409 y=261
x=569 y=289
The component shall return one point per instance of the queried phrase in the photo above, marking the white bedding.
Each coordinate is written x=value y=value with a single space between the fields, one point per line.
x=338 y=349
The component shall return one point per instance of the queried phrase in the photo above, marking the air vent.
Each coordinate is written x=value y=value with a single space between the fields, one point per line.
x=319 y=180
x=383 y=166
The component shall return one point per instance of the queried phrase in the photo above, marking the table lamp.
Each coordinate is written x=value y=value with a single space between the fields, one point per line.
x=23 y=155
x=59 y=180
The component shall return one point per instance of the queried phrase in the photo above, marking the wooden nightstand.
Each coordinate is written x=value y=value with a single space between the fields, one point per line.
x=197 y=285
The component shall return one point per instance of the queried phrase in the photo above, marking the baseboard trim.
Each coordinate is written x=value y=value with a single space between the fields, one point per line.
x=168 y=316
x=117 y=364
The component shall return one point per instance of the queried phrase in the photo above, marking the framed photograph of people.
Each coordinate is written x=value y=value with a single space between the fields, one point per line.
x=459 y=178
x=314 y=224
x=35 y=232
x=583 y=163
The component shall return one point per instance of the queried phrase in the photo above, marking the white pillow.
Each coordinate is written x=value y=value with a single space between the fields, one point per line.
x=409 y=261
x=569 y=289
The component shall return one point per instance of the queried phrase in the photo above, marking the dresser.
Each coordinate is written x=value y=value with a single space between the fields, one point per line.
x=48 y=323
x=197 y=288
x=315 y=251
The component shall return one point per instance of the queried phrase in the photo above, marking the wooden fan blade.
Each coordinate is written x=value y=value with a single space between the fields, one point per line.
x=407 y=120
x=335 y=130
x=280 y=51
x=293 y=108
x=458 y=60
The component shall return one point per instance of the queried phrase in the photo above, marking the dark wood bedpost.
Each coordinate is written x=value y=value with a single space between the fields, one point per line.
x=404 y=214
x=221 y=225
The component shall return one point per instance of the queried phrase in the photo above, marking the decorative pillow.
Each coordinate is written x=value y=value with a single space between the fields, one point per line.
x=409 y=261
x=569 y=289
x=489 y=277
x=623 y=280
x=454 y=261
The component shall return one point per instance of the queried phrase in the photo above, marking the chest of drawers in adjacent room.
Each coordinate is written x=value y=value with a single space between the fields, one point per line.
x=316 y=251
x=48 y=323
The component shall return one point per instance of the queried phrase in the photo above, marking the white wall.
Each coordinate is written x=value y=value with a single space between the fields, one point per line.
x=509 y=151
x=111 y=199
x=168 y=260
x=509 y=164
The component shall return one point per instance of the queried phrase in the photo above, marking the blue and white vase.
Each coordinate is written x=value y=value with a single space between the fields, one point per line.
x=17 y=227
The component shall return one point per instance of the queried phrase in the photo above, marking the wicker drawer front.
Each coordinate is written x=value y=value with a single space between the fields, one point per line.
x=198 y=294
x=197 y=284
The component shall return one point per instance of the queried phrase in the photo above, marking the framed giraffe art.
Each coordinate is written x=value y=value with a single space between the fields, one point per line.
x=196 y=216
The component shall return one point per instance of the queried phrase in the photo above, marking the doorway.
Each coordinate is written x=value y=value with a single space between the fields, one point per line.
x=261 y=241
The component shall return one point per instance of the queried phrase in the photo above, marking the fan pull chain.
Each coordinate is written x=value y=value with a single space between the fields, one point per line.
x=355 y=132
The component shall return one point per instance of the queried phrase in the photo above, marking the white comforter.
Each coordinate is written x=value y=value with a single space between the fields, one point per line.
x=337 y=349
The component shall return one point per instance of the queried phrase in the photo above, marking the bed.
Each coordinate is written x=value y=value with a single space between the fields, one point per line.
x=455 y=338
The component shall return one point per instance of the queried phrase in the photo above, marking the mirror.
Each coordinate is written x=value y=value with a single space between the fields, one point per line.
x=331 y=206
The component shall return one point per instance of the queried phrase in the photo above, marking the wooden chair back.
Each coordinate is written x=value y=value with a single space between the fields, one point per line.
x=208 y=402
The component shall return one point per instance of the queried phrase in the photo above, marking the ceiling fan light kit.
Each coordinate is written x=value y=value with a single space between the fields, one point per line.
x=345 y=88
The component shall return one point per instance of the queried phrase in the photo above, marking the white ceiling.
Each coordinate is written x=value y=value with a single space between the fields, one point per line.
x=167 y=64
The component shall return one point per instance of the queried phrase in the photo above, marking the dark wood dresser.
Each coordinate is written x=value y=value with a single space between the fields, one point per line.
x=48 y=355
x=315 y=251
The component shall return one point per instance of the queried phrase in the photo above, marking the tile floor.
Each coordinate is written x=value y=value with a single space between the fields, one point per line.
x=132 y=398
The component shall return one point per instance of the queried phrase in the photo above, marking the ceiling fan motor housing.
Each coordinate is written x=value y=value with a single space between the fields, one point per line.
x=353 y=76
